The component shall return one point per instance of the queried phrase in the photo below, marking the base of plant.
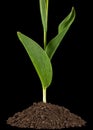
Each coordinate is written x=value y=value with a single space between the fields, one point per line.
x=45 y=116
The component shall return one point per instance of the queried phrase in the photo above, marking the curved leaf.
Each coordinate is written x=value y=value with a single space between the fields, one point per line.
x=62 y=30
x=39 y=59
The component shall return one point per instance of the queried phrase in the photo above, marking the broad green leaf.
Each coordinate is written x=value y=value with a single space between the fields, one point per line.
x=39 y=59
x=44 y=13
x=62 y=30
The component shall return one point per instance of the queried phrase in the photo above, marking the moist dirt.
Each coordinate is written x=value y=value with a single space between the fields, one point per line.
x=45 y=116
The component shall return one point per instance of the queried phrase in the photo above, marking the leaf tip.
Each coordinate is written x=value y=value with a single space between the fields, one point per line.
x=73 y=10
x=18 y=33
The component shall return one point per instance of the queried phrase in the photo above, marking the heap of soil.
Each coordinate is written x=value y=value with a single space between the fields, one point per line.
x=45 y=116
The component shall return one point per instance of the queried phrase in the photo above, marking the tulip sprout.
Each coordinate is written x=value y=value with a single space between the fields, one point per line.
x=41 y=57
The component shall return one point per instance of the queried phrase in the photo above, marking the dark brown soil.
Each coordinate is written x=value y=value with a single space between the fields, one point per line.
x=45 y=116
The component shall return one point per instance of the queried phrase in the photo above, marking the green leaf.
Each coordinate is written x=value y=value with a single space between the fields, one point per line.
x=44 y=13
x=62 y=30
x=39 y=59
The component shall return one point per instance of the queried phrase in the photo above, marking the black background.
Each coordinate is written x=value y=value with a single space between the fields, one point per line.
x=19 y=85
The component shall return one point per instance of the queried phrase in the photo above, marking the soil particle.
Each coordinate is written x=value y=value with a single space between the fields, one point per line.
x=45 y=116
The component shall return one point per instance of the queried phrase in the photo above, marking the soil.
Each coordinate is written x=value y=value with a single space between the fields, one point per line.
x=45 y=116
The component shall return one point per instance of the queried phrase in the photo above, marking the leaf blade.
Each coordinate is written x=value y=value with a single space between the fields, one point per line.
x=39 y=59
x=62 y=30
x=43 y=12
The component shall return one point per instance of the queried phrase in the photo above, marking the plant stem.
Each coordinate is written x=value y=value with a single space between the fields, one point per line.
x=45 y=39
x=44 y=95
x=45 y=42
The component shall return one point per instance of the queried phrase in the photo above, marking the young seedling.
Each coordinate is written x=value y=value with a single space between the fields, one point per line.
x=41 y=57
